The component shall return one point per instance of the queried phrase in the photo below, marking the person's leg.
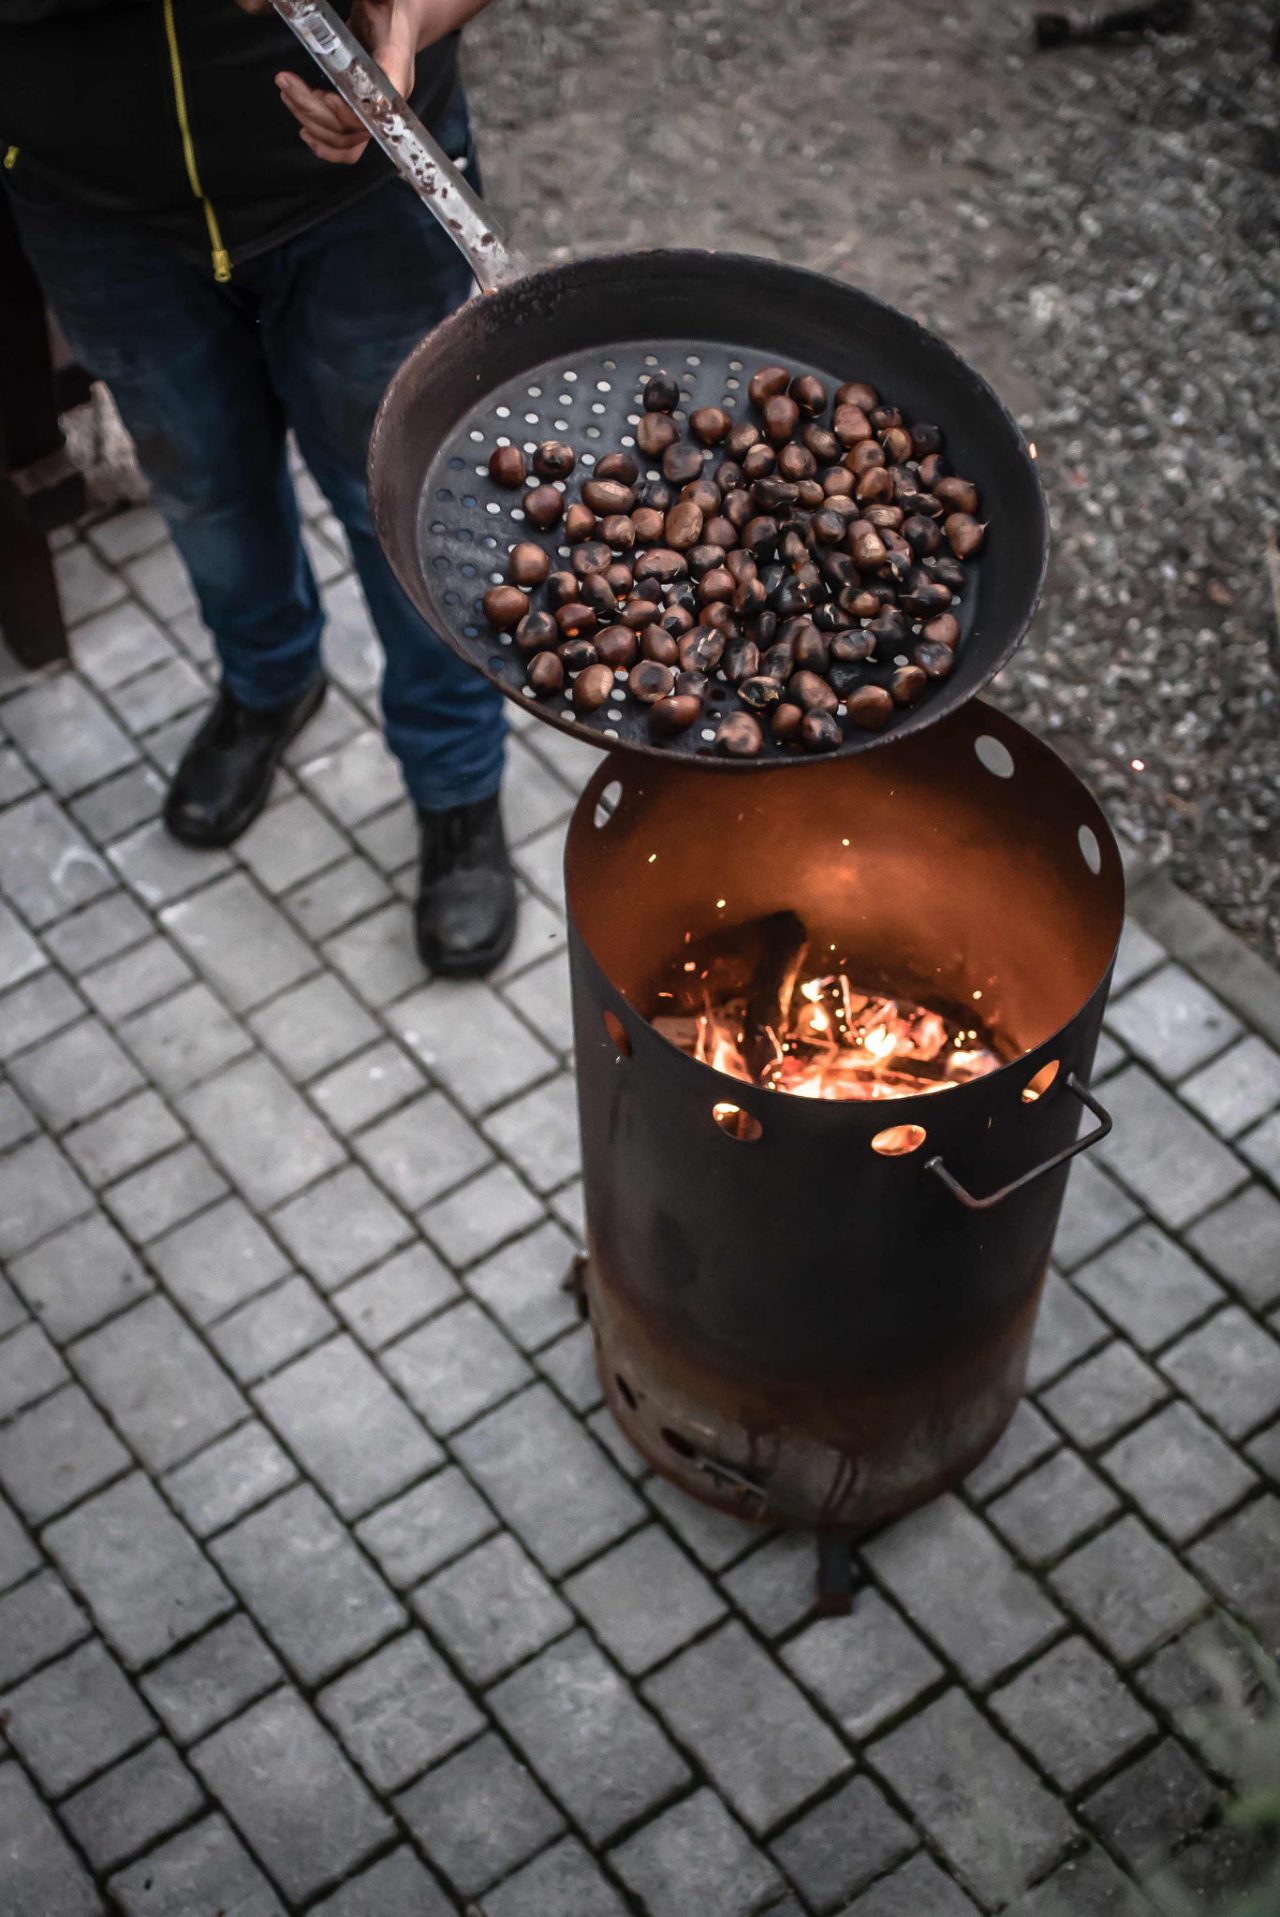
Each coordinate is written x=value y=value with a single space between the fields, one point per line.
x=346 y=302
x=183 y=359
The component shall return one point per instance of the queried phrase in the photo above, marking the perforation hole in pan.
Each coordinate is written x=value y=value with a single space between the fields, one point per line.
x=596 y=406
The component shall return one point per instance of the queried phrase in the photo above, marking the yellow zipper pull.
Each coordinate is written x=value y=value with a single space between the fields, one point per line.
x=10 y=158
x=221 y=264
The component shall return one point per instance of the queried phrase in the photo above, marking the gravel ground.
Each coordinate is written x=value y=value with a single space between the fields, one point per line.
x=1097 y=229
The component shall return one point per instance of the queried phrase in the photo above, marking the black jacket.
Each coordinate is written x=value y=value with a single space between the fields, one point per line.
x=93 y=95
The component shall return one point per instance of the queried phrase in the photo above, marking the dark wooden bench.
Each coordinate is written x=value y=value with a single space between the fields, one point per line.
x=40 y=489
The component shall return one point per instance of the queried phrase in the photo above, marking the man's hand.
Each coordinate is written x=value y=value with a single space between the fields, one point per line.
x=394 y=32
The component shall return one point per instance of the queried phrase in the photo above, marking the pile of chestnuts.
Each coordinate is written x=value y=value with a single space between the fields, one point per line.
x=813 y=564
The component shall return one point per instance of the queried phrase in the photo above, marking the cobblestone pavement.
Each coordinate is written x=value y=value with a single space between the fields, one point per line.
x=1098 y=230
x=325 y=1584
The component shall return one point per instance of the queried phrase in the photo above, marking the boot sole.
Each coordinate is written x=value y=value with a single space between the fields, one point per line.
x=476 y=964
x=242 y=820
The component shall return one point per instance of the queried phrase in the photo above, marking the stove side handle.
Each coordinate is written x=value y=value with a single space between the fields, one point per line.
x=967 y=1199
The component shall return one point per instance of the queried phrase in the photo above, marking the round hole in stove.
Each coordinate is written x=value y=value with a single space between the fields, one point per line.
x=1090 y=850
x=607 y=804
x=895 y=1141
x=617 y=1032
x=735 y=1123
x=678 y=1444
x=1039 y=1083
x=994 y=755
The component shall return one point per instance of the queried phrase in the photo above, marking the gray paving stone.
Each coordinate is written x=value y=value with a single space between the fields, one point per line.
x=396 y=1886
x=42 y=1873
x=523 y=1284
x=98 y=932
x=570 y=1364
x=422 y=1150
x=541 y=861
x=563 y=1880
x=12 y=1310
x=644 y=1599
x=1151 y=1804
x=775 y=1586
x=74 y=1717
x=355 y=1437
x=354 y=781
x=1239 y=1558
x=228 y=1478
x=1066 y=1328
x=390 y=839
x=289 y=842
x=1171 y=1161
x=1027 y=1438
x=836 y=1850
x=1148 y=1286
x=18 y=1555
x=307 y=1585
x=122 y=536
x=1230 y=1369
x=399 y=1711
x=184 y=1039
x=266 y=1138
x=110 y=1147
x=376 y=955
x=455 y=1367
x=864 y=1668
x=1261 y=1147
x=1241 y=1241
x=133 y=979
x=714 y=1537
x=134 y=1804
x=563 y=1512
x=1139 y=954
x=958 y=1583
x=144 y=1580
x=29 y=1012
x=1050 y=1510
x=390 y=1300
x=417 y=1533
x=47 y=867
x=1087 y=1886
x=1171 y=1022
x=470 y=1043
x=271 y=1329
x=30 y=1369
x=539 y=1133
x=480 y=1215
x=84 y=583
x=217 y=1260
x=1213 y=1669
x=491 y=1608
x=918 y=1887
x=74 y=1074
x=39 y=1191
x=288 y=1789
x=157 y=869
x=1073 y=1713
x=161 y=581
x=1265 y=1453
x=996 y=1823
x=479 y=1815
x=55 y=1452
x=1109 y=1391
x=16 y=1122
x=1094 y=1211
x=160 y=1196
x=20 y=955
x=208 y=1682
x=159 y=1384
x=37 y=1620
x=710 y=1691
x=697 y=1857
x=366 y=1087
x=1179 y=1471
x=340 y=1226
x=1237 y=1089
x=16 y=779
x=323 y=904
x=541 y=996
x=113 y=809
x=584 y=1732
x=1129 y=1590
x=203 y=1868
x=312 y=1026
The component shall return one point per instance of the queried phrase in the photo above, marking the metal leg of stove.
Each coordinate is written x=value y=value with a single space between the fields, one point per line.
x=833 y=1593
x=574 y=1283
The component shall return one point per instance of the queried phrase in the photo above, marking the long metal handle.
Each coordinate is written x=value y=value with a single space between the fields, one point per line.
x=389 y=120
x=957 y=1190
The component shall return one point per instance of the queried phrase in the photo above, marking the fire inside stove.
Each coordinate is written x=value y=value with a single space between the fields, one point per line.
x=755 y=1002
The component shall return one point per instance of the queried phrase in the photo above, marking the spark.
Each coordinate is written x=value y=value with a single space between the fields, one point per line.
x=977 y=995
x=1138 y=765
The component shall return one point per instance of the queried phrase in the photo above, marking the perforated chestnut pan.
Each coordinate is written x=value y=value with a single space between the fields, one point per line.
x=564 y=353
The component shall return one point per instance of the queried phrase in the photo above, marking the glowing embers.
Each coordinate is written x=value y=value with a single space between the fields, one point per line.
x=752 y=1001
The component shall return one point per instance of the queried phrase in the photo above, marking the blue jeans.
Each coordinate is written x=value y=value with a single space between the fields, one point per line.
x=208 y=379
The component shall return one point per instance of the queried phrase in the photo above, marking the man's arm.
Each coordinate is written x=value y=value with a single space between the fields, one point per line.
x=395 y=32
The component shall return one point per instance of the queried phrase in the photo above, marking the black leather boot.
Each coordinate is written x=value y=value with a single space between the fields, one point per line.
x=225 y=774
x=466 y=917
